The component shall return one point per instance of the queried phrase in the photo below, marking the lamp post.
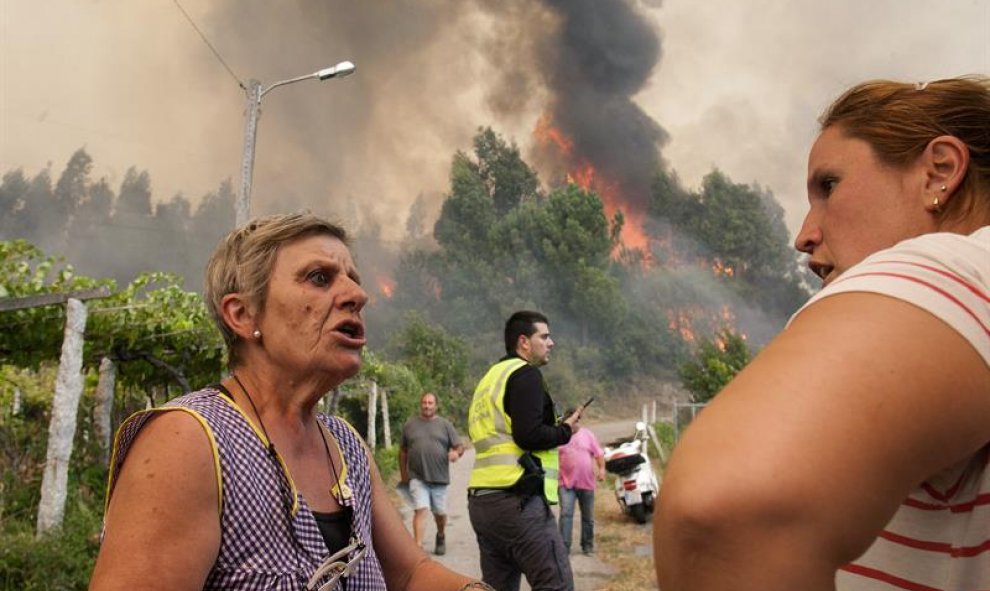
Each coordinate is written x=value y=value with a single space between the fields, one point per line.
x=255 y=93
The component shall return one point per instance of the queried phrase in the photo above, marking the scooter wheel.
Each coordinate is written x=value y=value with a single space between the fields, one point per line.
x=638 y=512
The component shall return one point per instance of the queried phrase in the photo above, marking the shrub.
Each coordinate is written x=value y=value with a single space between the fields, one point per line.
x=59 y=560
x=714 y=365
x=388 y=461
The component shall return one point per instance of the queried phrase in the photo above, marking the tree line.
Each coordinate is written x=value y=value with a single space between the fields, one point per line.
x=718 y=260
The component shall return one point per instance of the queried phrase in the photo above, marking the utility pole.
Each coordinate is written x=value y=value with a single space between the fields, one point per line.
x=253 y=112
x=254 y=92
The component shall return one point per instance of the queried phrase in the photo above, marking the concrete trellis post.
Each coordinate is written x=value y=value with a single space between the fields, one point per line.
x=62 y=428
x=103 y=406
x=372 y=414
x=65 y=402
x=386 y=425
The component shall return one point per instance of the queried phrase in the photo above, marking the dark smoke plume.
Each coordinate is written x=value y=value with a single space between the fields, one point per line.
x=589 y=58
x=581 y=61
x=605 y=54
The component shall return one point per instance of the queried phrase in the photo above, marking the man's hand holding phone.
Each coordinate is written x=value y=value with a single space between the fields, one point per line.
x=573 y=419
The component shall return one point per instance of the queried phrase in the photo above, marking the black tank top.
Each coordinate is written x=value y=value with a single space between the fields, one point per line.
x=335 y=528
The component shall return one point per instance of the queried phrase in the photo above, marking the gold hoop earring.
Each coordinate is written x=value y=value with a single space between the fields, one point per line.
x=936 y=205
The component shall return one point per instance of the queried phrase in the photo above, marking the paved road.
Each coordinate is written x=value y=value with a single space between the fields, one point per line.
x=590 y=573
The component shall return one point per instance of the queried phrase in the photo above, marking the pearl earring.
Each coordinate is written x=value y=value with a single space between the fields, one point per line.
x=257 y=333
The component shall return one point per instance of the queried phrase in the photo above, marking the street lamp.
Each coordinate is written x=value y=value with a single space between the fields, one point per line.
x=255 y=93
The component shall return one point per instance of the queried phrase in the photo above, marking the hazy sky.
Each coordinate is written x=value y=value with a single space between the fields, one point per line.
x=738 y=85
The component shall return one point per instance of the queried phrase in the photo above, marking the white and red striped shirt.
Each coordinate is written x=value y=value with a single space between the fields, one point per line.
x=939 y=539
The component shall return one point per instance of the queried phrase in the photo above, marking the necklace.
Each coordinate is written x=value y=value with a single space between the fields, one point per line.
x=343 y=491
x=271 y=444
x=341 y=564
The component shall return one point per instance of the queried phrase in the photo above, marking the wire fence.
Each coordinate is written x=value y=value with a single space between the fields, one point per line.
x=684 y=413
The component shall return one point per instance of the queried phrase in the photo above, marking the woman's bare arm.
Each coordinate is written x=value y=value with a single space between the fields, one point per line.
x=162 y=524
x=798 y=464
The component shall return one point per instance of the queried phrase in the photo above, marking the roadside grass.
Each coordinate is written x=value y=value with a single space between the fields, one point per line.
x=623 y=544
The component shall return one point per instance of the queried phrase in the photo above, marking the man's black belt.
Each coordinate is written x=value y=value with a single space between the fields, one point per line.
x=481 y=492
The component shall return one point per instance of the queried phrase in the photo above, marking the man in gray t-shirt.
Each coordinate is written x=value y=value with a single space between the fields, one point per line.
x=429 y=444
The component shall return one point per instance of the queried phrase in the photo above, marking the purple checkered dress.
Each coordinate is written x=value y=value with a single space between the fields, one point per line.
x=258 y=550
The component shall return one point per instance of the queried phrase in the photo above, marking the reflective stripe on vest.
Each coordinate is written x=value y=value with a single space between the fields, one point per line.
x=496 y=463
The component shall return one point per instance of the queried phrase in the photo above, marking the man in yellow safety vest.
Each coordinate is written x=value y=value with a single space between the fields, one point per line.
x=515 y=431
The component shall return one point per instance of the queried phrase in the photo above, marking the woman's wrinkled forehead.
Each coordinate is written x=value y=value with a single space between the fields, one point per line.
x=323 y=250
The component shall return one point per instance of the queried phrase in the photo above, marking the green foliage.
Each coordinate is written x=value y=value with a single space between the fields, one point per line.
x=715 y=363
x=736 y=227
x=554 y=253
x=440 y=363
x=398 y=381
x=153 y=322
x=468 y=213
x=60 y=560
x=508 y=179
x=158 y=333
x=665 y=434
x=25 y=399
x=387 y=461
x=31 y=336
x=549 y=253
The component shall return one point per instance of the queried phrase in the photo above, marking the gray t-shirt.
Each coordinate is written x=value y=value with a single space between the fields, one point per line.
x=426 y=442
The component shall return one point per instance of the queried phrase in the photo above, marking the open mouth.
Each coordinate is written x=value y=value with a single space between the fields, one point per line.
x=820 y=269
x=352 y=329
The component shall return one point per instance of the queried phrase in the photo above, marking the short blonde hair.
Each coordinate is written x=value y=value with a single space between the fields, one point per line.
x=244 y=259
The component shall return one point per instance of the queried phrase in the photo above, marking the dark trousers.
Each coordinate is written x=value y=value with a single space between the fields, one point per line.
x=519 y=536
x=586 y=500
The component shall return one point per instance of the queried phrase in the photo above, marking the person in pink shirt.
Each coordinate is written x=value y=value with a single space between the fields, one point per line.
x=582 y=462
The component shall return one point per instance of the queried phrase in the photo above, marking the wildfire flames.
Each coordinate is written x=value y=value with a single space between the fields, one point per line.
x=584 y=174
x=722 y=270
x=684 y=321
x=387 y=286
x=560 y=152
x=577 y=169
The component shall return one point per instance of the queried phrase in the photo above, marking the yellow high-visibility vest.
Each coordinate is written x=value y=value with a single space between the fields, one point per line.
x=496 y=461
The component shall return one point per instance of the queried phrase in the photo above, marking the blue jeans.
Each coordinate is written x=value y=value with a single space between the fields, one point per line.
x=586 y=499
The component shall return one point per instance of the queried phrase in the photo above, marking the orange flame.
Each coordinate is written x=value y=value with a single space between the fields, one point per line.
x=684 y=321
x=681 y=321
x=387 y=286
x=583 y=173
x=722 y=270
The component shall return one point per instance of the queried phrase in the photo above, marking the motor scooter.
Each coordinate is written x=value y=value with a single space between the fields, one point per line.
x=635 y=483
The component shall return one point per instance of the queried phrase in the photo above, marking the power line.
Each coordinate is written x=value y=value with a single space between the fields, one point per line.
x=210 y=45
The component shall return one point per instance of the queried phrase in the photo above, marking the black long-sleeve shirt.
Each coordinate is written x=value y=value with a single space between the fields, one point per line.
x=528 y=404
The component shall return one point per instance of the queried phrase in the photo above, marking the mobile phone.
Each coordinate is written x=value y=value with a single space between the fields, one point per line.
x=590 y=400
